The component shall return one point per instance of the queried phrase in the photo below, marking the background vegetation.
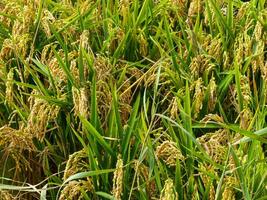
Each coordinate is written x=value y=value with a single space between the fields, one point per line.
x=133 y=99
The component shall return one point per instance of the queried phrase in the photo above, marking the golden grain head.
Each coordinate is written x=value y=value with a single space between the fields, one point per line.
x=212 y=87
x=212 y=118
x=215 y=144
x=76 y=96
x=245 y=118
x=47 y=20
x=84 y=39
x=75 y=189
x=2 y=69
x=179 y=3
x=169 y=153
x=239 y=49
x=28 y=17
x=174 y=108
x=17 y=28
x=245 y=90
x=229 y=191
x=198 y=96
x=124 y=6
x=85 y=46
x=11 y=8
x=16 y=138
x=85 y=6
x=200 y=64
x=195 y=8
x=142 y=174
x=81 y=101
x=5 y=195
x=6 y=50
x=247 y=45
x=15 y=142
x=41 y=114
x=76 y=163
x=125 y=98
x=103 y=78
x=143 y=45
x=228 y=194
x=57 y=72
x=264 y=72
x=213 y=46
x=75 y=71
x=17 y=45
x=226 y=60
x=259 y=61
x=46 y=54
x=149 y=77
x=84 y=102
x=207 y=180
x=9 y=86
x=102 y=68
x=258 y=31
x=243 y=11
x=118 y=180
x=168 y=192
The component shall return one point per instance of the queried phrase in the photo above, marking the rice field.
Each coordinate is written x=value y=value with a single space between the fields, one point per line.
x=133 y=99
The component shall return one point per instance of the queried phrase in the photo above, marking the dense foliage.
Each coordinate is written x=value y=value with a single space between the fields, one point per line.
x=131 y=99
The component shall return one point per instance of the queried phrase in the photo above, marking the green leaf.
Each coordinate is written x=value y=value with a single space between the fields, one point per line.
x=91 y=129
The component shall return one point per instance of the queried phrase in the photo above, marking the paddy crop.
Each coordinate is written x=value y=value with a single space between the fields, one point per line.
x=129 y=99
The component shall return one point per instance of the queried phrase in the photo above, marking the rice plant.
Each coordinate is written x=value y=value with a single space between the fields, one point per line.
x=130 y=99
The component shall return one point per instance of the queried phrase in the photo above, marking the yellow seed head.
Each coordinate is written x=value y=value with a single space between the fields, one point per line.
x=14 y=142
x=207 y=179
x=41 y=114
x=245 y=118
x=213 y=95
x=142 y=174
x=245 y=89
x=212 y=118
x=28 y=17
x=5 y=195
x=168 y=192
x=200 y=64
x=247 y=45
x=75 y=71
x=258 y=31
x=84 y=38
x=259 y=61
x=46 y=21
x=239 y=49
x=74 y=189
x=143 y=45
x=174 y=108
x=169 y=153
x=76 y=163
x=6 y=50
x=9 y=86
x=194 y=8
x=226 y=60
x=198 y=97
x=214 y=47
x=118 y=180
x=242 y=11
x=81 y=101
x=215 y=144
x=125 y=101
x=229 y=183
